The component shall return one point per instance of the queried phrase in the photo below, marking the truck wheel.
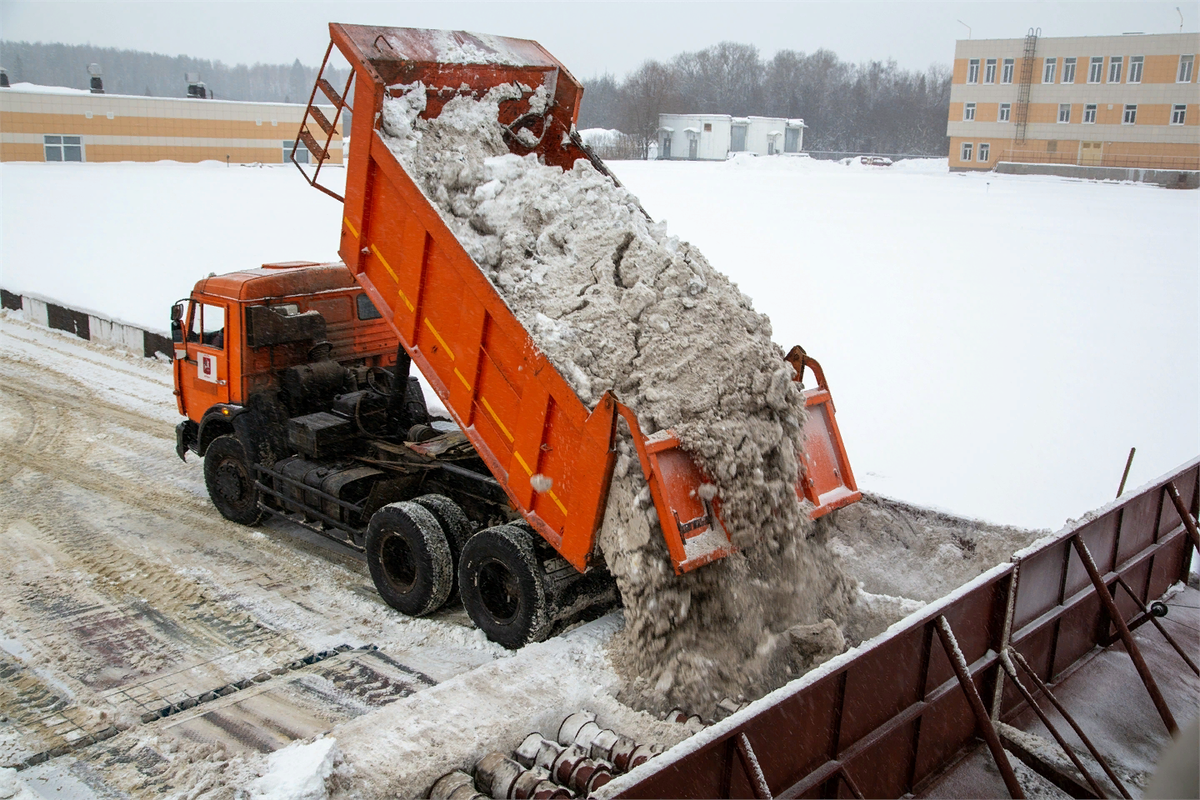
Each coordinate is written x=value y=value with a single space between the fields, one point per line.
x=500 y=582
x=409 y=558
x=229 y=477
x=453 y=522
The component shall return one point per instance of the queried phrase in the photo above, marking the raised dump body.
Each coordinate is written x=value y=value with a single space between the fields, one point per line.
x=553 y=455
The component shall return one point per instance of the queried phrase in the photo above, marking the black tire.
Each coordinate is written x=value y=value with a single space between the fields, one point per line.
x=409 y=558
x=454 y=523
x=500 y=582
x=229 y=478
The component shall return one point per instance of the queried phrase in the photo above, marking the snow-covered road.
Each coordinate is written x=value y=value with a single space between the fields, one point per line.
x=125 y=596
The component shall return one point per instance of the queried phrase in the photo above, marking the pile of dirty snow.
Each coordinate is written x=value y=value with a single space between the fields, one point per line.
x=617 y=304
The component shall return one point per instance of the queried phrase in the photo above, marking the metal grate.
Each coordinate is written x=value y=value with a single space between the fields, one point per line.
x=1022 y=110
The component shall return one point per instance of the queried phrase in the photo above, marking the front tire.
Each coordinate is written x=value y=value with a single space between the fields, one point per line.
x=501 y=585
x=229 y=478
x=409 y=558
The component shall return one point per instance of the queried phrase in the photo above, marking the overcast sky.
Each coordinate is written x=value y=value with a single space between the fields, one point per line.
x=589 y=37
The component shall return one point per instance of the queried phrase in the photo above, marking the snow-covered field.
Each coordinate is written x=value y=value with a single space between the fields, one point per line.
x=995 y=344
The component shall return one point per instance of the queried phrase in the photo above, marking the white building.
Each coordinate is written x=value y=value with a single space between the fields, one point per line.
x=713 y=137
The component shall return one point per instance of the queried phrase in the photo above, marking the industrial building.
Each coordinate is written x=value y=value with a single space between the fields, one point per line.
x=1120 y=102
x=713 y=137
x=52 y=123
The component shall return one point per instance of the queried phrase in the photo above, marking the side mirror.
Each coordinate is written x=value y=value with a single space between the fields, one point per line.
x=176 y=322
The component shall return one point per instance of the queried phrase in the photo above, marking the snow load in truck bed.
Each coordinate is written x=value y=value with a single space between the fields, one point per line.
x=617 y=304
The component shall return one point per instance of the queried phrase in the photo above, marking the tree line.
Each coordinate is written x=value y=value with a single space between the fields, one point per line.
x=872 y=107
x=155 y=75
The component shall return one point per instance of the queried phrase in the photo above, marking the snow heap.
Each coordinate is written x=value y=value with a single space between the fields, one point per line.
x=618 y=304
x=297 y=772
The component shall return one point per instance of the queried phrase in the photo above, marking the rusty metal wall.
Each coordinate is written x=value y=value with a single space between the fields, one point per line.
x=893 y=715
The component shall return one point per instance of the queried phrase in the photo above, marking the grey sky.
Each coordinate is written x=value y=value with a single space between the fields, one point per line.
x=589 y=37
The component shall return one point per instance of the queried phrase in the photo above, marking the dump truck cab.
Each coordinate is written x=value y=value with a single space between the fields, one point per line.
x=239 y=333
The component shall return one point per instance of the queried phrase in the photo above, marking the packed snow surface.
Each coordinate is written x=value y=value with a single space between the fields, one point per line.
x=619 y=305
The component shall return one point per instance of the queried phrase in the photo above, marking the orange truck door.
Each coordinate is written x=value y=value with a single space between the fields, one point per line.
x=207 y=357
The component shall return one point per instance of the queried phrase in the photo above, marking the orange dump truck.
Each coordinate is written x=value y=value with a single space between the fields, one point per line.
x=505 y=503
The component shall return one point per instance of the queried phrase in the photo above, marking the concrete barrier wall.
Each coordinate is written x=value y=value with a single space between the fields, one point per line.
x=1167 y=178
x=87 y=326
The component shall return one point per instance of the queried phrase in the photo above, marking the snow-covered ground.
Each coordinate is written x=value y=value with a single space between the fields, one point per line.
x=995 y=344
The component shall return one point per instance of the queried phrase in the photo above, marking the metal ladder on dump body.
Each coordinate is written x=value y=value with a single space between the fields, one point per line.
x=1022 y=109
x=329 y=128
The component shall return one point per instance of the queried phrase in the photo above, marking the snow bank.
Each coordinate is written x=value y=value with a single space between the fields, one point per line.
x=297 y=772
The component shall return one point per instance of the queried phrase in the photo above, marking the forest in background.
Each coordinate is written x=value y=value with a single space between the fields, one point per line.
x=871 y=107
x=156 y=75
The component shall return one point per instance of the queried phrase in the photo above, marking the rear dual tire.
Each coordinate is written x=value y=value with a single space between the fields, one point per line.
x=410 y=559
x=501 y=583
x=413 y=549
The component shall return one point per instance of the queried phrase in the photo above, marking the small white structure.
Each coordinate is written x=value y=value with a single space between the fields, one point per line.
x=713 y=137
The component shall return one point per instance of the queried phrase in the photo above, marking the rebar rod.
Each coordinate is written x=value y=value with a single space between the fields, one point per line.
x=982 y=721
x=1044 y=689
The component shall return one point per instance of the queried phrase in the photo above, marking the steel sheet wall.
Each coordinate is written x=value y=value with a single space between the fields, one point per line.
x=893 y=715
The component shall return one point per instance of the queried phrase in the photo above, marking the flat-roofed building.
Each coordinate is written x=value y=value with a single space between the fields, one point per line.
x=1128 y=101
x=51 y=123
x=714 y=137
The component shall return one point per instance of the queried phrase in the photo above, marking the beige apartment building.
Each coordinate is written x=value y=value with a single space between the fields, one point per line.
x=49 y=123
x=1129 y=101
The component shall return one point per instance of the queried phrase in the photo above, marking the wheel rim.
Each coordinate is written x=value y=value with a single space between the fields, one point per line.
x=399 y=566
x=499 y=591
x=231 y=482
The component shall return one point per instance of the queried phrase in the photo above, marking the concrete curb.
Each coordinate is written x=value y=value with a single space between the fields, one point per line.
x=1167 y=178
x=91 y=327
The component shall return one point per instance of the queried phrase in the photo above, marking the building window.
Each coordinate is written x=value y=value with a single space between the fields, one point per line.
x=1135 y=68
x=301 y=152
x=1185 y=69
x=1049 y=70
x=989 y=71
x=1178 y=113
x=968 y=112
x=1096 y=68
x=1130 y=115
x=708 y=127
x=973 y=71
x=1089 y=113
x=1064 y=112
x=967 y=150
x=1068 y=70
x=1116 y=64
x=1006 y=74
x=63 y=148
x=1005 y=112
x=985 y=150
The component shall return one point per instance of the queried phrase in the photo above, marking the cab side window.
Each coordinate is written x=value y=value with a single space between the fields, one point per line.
x=366 y=309
x=208 y=325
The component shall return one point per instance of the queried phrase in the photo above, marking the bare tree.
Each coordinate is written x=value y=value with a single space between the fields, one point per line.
x=646 y=93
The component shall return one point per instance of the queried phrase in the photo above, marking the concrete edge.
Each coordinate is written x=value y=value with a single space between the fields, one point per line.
x=87 y=326
x=1166 y=178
